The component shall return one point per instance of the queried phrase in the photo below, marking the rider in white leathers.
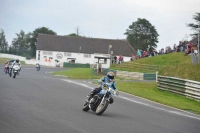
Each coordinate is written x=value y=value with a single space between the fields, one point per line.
x=17 y=62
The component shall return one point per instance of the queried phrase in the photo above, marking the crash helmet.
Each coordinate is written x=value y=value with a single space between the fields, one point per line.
x=17 y=60
x=110 y=75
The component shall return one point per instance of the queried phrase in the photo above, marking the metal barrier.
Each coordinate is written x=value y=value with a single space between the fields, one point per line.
x=184 y=87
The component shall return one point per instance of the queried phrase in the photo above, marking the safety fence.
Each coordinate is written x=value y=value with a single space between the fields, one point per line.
x=128 y=75
x=184 y=87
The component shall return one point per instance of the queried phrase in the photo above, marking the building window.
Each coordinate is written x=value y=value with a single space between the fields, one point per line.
x=47 y=53
x=44 y=52
x=87 y=56
x=50 y=53
x=67 y=54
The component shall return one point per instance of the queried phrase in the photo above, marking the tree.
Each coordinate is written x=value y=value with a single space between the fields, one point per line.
x=193 y=26
x=21 y=44
x=33 y=40
x=141 y=34
x=73 y=34
x=3 y=42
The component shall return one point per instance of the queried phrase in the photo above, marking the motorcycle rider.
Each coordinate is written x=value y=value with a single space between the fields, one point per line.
x=10 y=66
x=38 y=65
x=16 y=62
x=105 y=79
x=6 y=66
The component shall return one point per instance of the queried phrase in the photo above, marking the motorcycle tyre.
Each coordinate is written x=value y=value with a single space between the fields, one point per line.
x=86 y=106
x=14 y=75
x=102 y=109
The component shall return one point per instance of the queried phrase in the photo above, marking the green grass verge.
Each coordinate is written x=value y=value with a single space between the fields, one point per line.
x=147 y=90
x=78 y=73
x=3 y=60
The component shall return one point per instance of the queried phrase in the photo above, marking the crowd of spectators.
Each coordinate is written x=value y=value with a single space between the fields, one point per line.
x=187 y=47
x=183 y=46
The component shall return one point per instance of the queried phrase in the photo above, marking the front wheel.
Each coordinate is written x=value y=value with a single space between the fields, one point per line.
x=86 y=106
x=102 y=107
x=14 y=75
x=10 y=74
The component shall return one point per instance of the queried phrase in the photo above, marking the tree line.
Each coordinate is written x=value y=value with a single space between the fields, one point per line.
x=141 y=34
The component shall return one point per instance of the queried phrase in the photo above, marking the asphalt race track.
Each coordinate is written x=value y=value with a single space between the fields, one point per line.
x=37 y=102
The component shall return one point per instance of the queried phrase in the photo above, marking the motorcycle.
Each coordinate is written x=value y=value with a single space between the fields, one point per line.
x=6 y=69
x=37 y=67
x=100 y=101
x=10 y=70
x=16 y=69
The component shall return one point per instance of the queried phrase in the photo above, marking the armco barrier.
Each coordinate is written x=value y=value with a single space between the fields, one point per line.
x=149 y=76
x=184 y=87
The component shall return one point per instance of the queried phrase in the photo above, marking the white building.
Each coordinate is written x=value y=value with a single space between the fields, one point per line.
x=52 y=49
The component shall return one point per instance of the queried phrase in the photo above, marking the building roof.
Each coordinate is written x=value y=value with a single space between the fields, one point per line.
x=83 y=45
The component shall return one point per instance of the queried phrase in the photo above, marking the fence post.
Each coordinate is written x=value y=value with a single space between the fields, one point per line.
x=156 y=76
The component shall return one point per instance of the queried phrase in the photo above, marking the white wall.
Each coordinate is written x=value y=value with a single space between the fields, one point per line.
x=11 y=56
x=79 y=58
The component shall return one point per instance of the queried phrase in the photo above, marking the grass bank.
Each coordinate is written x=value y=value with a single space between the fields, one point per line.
x=147 y=90
x=172 y=64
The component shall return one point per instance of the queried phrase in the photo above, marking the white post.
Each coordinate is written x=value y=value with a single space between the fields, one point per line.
x=198 y=42
x=156 y=76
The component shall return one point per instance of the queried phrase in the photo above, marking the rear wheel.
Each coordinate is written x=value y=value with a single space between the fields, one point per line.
x=86 y=106
x=102 y=107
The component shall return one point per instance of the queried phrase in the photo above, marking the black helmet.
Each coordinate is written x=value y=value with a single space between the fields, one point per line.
x=110 y=75
x=17 y=60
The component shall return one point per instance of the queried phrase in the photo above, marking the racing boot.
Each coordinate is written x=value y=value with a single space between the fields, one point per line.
x=90 y=95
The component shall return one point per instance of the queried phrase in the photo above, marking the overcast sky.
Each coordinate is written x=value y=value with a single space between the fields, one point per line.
x=99 y=18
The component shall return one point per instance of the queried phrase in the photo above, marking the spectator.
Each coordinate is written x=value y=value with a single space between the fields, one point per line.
x=191 y=44
x=141 y=53
x=181 y=47
x=145 y=54
x=112 y=60
x=115 y=59
x=120 y=59
x=133 y=57
x=174 y=47
x=138 y=53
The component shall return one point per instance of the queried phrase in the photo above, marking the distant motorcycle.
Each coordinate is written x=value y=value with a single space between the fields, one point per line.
x=6 y=69
x=100 y=101
x=38 y=67
x=10 y=70
x=16 y=69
